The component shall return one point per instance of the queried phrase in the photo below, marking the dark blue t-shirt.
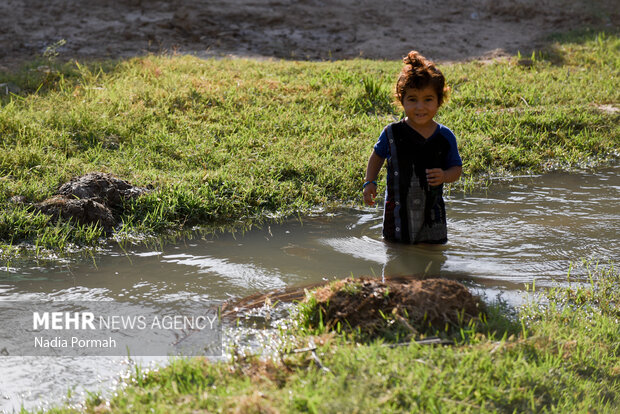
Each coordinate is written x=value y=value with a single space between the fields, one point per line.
x=452 y=158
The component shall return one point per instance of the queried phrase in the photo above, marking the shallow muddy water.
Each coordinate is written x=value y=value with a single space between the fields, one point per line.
x=514 y=232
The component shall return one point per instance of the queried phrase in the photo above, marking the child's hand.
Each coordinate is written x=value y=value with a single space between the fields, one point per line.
x=435 y=176
x=370 y=192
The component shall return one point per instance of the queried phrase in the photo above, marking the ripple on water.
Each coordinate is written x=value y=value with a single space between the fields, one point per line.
x=241 y=274
x=363 y=248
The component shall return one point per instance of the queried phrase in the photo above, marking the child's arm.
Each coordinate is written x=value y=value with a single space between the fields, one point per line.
x=438 y=176
x=375 y=163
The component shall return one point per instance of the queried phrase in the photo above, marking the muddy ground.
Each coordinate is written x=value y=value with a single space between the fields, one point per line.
x=444 y=30
x=375 y=307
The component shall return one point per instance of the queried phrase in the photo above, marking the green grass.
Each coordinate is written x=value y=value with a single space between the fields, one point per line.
x=235 y=139
x=562 y=357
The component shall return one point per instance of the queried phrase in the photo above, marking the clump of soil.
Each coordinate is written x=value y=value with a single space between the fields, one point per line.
x=101 y=187
x=411 y=306
x=87 y=211
x=92 y=198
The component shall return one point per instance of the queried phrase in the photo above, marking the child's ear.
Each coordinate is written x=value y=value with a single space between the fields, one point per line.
x=446 y=94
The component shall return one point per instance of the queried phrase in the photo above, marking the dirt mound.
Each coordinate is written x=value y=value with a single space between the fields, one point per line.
x=101 y=187
x=375 y=307
x=91 y=198
x=85 y=211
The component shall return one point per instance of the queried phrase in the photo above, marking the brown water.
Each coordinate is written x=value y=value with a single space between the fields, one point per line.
x=515 y=232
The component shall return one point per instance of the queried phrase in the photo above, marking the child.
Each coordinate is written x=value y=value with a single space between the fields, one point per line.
x=421 y=155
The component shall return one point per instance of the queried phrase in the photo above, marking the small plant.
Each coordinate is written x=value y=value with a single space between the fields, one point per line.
x=386 y=292
x=51 y=51
x=373 y=98
x=352 y=289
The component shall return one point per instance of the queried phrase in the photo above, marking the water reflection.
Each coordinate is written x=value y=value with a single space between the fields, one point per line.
x=419 y=261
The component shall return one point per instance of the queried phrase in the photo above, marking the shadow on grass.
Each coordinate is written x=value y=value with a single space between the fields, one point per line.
x=42 y=76
x=554 y=52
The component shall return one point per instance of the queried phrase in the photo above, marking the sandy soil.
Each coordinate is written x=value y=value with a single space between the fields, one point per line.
x=305 y=29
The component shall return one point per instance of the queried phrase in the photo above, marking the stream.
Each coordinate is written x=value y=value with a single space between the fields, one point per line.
x=514 y=232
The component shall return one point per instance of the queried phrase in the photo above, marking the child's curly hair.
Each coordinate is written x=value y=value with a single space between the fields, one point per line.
x=418 y=73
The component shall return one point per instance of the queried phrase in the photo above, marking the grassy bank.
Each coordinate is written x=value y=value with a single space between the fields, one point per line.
x=223 y=140
x=563 y=357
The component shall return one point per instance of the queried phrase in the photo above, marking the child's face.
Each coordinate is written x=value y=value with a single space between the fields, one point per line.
x=421 y=106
